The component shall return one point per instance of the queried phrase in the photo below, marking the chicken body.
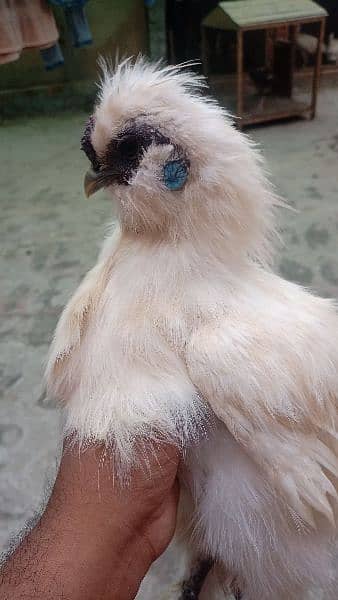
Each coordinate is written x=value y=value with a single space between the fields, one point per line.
x=182 y=330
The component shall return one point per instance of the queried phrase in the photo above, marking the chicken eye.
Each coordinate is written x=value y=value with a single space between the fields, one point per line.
x=129 y=147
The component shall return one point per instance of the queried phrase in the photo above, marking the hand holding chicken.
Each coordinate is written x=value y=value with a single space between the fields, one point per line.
x=182 y=332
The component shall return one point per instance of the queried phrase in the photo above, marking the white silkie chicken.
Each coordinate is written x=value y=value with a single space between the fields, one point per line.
x=182 y=331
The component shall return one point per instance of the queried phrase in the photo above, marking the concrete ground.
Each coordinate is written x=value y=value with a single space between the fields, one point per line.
x=50 y=235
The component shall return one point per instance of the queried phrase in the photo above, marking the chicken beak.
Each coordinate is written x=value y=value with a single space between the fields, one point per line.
x=92 y=182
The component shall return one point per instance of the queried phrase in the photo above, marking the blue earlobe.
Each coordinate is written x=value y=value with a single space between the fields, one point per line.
x=175 y=174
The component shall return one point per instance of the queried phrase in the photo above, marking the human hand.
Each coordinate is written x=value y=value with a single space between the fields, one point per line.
x=146 y=501
x=97 y=538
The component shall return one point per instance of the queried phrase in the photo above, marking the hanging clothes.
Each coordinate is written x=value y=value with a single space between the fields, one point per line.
x=76 y=21
x=52 y=57
x=27 y=24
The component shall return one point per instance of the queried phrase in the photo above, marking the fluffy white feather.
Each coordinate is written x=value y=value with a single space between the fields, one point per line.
x=182 y=319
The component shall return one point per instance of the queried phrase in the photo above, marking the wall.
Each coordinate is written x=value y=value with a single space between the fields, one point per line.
x=157 y=32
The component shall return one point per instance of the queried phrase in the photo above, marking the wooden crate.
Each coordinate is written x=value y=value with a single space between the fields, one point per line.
x=269 y=16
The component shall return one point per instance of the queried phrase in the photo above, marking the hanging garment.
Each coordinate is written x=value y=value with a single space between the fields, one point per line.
x=27 y=24
x=52 y=57
x=76 y=20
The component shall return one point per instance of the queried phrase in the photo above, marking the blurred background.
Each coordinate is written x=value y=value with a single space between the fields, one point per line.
x=274 y=64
